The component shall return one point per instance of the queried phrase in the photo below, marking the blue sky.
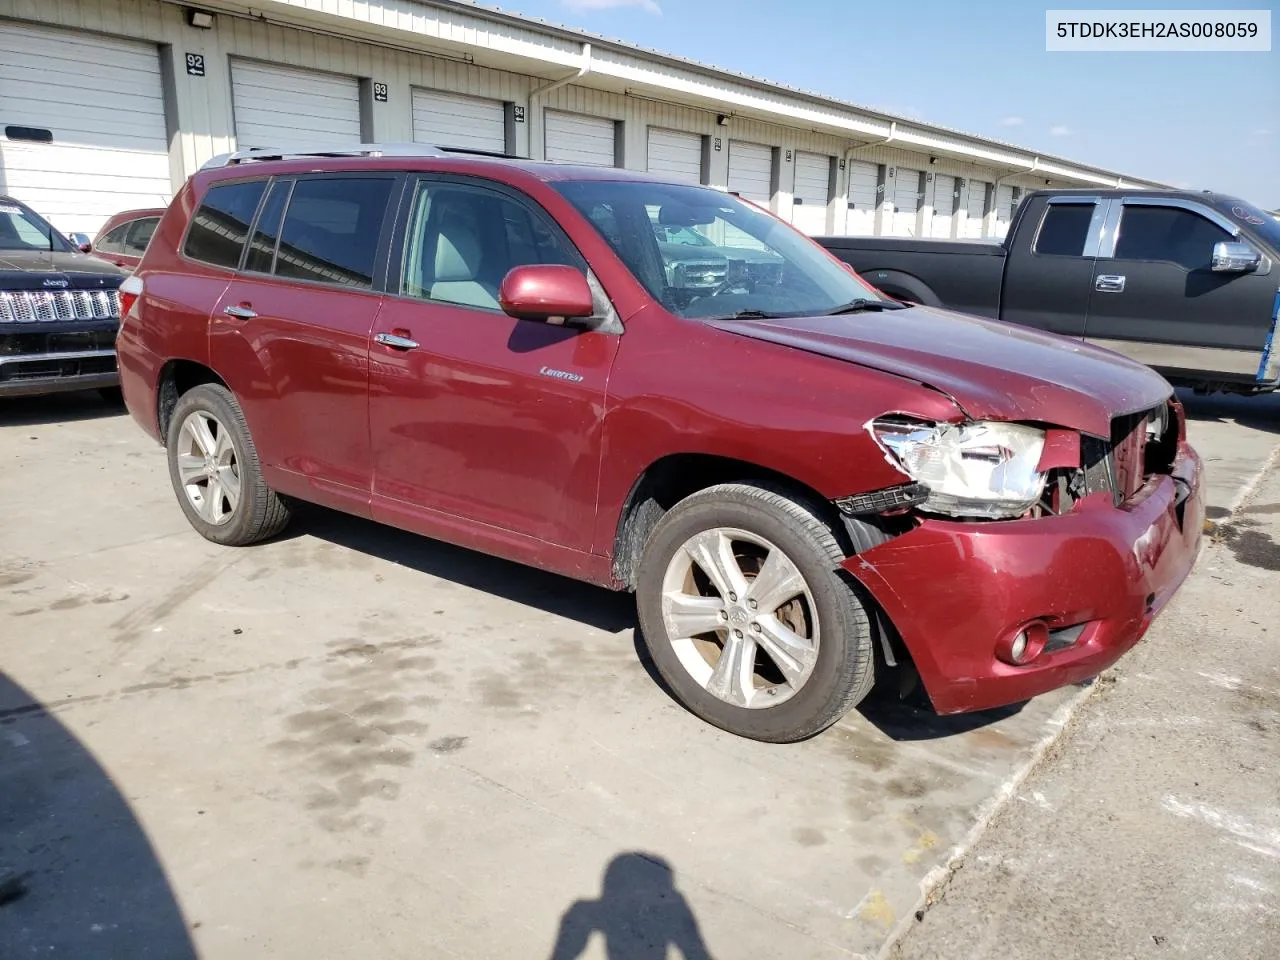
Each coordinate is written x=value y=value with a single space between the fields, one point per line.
x=1203 y=120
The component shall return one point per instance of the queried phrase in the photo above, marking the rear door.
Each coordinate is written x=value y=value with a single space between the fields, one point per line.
x=1048 y=273
x=1156 y=298
x=293 y=329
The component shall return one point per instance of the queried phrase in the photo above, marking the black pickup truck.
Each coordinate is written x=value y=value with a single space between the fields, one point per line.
x=59 y=310
x=1184 y=282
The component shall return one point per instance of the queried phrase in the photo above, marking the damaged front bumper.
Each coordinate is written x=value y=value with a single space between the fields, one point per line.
x=1096 y=577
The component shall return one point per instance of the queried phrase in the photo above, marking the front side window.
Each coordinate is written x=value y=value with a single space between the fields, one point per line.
x=221 y=224
x=113 y=241
x=1064 y=229
x=332 y=228
x=463 y=240
x=139 y=235
x=20 y=229
x=1168 y=233
x=706 y=254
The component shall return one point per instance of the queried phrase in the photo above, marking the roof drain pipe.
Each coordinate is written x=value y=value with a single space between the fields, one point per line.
x=556 y=85
x=848 y=157
x=995 y=191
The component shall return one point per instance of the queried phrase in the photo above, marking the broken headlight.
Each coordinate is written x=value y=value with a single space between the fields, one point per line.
x=977 y=469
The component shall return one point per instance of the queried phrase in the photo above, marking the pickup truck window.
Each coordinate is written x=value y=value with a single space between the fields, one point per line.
x=140 y=232
x=1064 y=229
x=702 y=253
x=113 y=242
x=1167 y=233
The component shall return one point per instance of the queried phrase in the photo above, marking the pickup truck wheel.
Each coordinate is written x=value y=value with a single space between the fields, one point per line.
x=745 y=617
x=214 y=468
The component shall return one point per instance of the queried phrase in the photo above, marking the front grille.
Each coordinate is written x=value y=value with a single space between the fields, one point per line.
x=51 y=306
x=1140 y=445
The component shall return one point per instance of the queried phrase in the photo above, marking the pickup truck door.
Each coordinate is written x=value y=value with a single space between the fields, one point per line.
x=1049 y=270
x=1157 y=299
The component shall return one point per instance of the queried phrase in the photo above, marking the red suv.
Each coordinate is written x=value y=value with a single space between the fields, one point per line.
x=657 y=387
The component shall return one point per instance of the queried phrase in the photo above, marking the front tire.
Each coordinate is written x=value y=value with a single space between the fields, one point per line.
x=746 y=618
x=214 y=468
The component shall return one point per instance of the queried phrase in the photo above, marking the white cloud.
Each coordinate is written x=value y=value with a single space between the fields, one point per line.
x=1262 y=132
x=1012 y=122
x=648 y=6
x=1058 y=130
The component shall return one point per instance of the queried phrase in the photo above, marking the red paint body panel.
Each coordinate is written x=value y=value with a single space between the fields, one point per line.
x=954 y=589
x=474 y=423
x=301 y=372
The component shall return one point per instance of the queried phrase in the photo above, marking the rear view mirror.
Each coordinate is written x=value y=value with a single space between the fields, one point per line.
x=82 y=241
x=1231 y=257
x=683 y=215
x=552 y=293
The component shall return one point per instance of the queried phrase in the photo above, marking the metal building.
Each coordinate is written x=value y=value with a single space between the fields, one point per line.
x=110 y=104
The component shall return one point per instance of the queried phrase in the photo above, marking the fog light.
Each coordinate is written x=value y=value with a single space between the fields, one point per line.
x=1023 y=645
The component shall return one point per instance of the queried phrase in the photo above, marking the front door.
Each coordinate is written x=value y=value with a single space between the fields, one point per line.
x=1049 y=270
x=473 y=414
x=1157 y=300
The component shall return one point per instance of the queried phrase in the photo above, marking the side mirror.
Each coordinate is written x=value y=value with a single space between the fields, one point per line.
x=82 y=241
x=1231 y=257
x=552 y=293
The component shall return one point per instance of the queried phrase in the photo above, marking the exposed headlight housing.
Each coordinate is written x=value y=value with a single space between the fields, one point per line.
x=983 y=469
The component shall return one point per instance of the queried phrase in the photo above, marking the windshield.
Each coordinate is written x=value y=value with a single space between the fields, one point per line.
x=1253 y=219
x=706 y=254
x=20 y=229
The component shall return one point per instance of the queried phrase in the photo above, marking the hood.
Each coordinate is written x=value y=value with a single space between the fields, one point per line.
x=56 y=270
x=993 y=370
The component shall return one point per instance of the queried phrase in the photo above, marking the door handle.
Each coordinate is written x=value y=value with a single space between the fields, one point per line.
x=395 y=341
x=1109 y=283
x=240 y=313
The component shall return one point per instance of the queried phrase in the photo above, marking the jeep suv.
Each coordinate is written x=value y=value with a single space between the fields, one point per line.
x=58 y=310
x=798 y=479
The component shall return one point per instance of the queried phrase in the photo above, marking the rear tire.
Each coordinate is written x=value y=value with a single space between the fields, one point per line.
x=797 y=637
x=214 y=468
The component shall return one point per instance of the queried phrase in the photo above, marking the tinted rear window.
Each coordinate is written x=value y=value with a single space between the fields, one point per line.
x=331 y=230
x=221 y=224
x=1064 y=229
x=262 y=251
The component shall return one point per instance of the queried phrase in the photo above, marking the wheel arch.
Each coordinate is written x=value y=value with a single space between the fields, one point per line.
x=903 y=286
x=177 y=377
x=672 y=478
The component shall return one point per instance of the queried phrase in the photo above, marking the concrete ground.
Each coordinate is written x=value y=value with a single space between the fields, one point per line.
x=1152 y=828
x=353 y=742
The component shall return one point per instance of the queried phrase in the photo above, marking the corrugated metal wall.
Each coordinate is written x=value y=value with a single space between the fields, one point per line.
x=205 y=119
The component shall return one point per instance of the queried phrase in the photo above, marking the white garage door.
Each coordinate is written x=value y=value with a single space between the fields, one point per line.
x=751 y=172
x=861 y=220
x=454 y=120
x=671 y=153
x=906 y=201
x=574 y=138
x=102 y=102
x=813 y=185
x=1004 y=208
x=286 y=107
x=944 y=206
x=975 y=205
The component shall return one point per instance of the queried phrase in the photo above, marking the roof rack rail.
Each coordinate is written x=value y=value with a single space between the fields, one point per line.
x=324 y=150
